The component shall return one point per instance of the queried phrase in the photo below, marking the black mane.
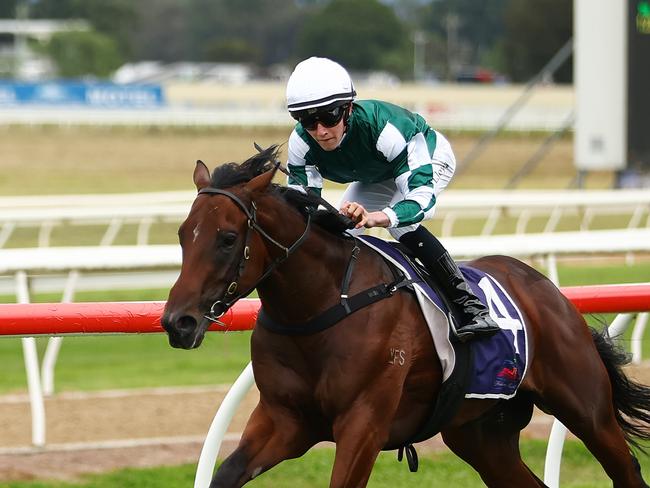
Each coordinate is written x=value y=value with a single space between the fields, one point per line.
x=331 y=221
x=232 y=174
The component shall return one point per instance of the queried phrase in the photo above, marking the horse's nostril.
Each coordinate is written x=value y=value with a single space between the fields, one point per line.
x=182 y=330
x=186 y=323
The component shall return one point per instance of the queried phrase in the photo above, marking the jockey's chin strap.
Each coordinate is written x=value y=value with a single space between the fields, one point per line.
x=229 y=298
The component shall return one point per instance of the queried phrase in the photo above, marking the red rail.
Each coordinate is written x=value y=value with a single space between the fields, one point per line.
x=140 y=317
x=610 y=298
x=105 y=318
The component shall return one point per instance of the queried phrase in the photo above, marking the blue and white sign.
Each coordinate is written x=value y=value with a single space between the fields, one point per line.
x=87 y=94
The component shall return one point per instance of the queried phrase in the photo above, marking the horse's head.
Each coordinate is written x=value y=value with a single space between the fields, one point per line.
x=216 y=240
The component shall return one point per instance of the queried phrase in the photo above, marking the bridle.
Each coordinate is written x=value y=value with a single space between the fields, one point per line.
x=221 y=306
x=331 y=316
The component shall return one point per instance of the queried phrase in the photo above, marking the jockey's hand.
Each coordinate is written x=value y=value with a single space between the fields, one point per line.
x=358 y=214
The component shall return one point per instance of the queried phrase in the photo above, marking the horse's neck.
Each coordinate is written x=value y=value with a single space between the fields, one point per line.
x=310 y=278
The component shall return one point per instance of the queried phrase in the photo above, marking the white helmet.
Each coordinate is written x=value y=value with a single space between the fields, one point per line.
x=318 y=82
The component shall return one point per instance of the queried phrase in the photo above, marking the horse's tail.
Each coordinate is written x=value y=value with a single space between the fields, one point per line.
x=631 y=399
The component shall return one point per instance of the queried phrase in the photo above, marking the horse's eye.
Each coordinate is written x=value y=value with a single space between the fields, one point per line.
x=227 y=240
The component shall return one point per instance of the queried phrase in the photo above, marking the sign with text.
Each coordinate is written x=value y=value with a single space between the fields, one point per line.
x=87 y=94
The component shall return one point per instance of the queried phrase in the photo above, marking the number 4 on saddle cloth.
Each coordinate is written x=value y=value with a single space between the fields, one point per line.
x=498 y=363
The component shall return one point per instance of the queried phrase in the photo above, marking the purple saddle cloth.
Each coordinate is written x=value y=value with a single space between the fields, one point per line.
x=499 y=363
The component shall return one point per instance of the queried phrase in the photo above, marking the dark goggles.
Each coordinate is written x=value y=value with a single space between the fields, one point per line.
x=327 y=117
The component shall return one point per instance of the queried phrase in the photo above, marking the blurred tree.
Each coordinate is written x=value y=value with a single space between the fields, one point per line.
x=534 y=33
x=416 y=14
x=78 y=54
x=115 y=18
x=232 y=50
x=470 y=31
x=8 y=9
x=515 y=37
x=268 y=25
x=163 y=30
x=409 y=11
x=360 y=34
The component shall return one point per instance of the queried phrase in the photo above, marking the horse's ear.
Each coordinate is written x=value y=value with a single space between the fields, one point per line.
x=201 y=175
x=262 y=181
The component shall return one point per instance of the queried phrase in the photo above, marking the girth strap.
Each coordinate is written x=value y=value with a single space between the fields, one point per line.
x=411 y=457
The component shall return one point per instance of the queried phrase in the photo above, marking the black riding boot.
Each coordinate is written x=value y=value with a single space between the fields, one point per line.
x=470 y=317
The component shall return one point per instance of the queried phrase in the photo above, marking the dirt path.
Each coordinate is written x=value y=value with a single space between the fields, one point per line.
x=107 y=430
x=103 y=431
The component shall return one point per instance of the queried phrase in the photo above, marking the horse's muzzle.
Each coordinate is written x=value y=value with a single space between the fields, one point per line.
x=183 y=330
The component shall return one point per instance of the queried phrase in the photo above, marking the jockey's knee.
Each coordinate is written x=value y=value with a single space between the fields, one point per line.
x=397 y=232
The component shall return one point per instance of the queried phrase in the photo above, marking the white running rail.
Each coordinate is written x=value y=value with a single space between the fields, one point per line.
x=581 y=209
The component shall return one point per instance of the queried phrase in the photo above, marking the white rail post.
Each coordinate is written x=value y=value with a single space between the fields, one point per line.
x=54 y=343
x=5 y=232
x=210 y=450
x=111 y=232
x=45 y=233
x=619 y=324
x=551 y=264
x=49 y=362
x=637 y=336
x=144 y=229
x=553 y=460
x=30 y=356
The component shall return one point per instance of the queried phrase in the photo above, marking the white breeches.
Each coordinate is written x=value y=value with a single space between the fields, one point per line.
x=377 y=196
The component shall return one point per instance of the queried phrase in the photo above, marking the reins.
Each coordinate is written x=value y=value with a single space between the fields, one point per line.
x=229 y=298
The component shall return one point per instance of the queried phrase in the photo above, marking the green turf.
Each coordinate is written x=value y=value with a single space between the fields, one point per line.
x=134 y=361
x=599 y=274
x=130 y=360
x=579 y=470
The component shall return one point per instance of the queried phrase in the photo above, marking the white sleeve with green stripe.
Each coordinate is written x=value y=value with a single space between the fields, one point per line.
x=413 y=173
x=301 y=173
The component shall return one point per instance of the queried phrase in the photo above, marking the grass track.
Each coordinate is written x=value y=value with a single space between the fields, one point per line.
x=579 y=470
x=50 y=160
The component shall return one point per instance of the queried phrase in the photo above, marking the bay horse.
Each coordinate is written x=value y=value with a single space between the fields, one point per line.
x=341 y=383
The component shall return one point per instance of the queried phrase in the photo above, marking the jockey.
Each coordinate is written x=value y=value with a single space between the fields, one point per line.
x=396 y=166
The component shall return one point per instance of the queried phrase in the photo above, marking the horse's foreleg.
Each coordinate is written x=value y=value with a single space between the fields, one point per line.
x=265 y=442
x=359 y=438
